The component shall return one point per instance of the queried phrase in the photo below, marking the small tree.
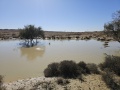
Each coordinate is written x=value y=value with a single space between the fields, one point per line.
x=113 y=28
x=31 y=32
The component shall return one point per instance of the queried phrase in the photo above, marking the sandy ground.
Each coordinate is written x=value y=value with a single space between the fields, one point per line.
x=91 y=82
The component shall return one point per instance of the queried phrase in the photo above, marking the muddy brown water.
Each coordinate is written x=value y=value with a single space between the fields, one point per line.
x=17 y=62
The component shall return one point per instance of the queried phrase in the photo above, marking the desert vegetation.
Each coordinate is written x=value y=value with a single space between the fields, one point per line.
x=29 y=33
x=1 y=83
x=52 y=70
x=62 y=81
x=109 y=70
x=111 y=80
x=113 y=28
x=112 y=63
x=70 y=69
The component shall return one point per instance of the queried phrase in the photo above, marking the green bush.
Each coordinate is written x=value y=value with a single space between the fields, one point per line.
x=83 y=68
x=52 y=70
x=93 y=68
x=69 y=69
x=66 y=69
x=107 y=77
x=112 y=63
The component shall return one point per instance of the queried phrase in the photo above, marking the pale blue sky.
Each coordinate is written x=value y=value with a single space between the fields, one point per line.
x=57 y=15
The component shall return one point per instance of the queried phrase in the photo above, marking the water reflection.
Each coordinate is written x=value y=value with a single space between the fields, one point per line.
x=106 y=44
x=33 y=52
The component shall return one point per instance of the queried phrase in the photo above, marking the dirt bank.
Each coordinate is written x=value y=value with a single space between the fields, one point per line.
x=91 y=82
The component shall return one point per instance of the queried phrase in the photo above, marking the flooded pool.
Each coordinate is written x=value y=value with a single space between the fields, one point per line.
x=17 y=62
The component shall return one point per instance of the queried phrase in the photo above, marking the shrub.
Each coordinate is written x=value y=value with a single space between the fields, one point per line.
x=1 y=83
x=52 y=70
x=61 y=81
x=1 y=80
x=107 y=77
x=69 y=69
x=93 y=68
x=112 y=63
x=83 y=68
x=45 y=85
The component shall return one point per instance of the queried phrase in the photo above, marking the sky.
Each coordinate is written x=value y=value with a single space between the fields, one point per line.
x=57 y=15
